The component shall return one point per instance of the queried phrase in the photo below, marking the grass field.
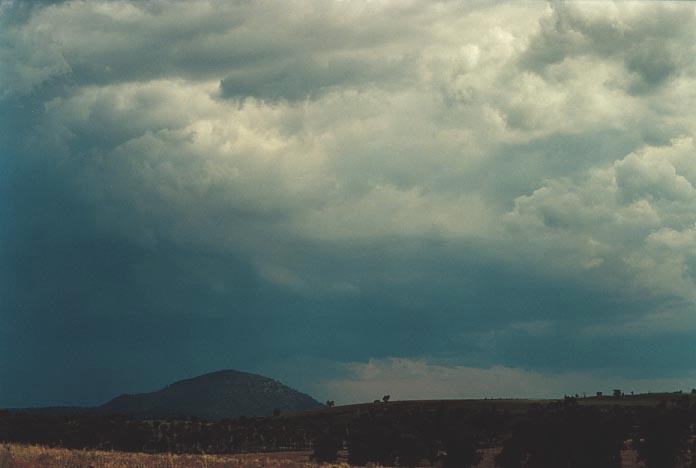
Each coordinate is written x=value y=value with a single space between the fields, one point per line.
x=26 y=456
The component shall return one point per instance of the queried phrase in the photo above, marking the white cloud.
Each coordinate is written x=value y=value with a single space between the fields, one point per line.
x=635 y=212
x=359 y=122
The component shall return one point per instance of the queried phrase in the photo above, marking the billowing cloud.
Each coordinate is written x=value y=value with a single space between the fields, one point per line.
x=338 y=178
x=651 y=48
x=635 y=213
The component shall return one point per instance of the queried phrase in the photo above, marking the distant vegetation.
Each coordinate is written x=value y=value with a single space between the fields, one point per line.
x=575 y=433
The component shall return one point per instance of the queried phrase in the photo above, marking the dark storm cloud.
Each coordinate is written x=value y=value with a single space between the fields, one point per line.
x=235 y=41
x=119 y=311
x=304 y=78
x=382 y=191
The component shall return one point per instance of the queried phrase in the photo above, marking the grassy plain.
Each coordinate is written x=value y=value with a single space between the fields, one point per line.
x=29 y=456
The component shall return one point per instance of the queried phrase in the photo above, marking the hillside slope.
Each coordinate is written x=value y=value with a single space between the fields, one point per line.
x=222 y=394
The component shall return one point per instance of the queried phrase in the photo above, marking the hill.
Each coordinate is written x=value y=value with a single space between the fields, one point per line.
x=218 y=395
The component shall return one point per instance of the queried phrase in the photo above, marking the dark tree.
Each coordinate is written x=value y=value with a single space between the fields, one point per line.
x=326 y=446
x=570 y=436
x=461 y=450
x=412 y=447
x=663 y=436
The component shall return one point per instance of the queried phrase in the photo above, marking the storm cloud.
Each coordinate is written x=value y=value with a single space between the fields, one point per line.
x=339 y=193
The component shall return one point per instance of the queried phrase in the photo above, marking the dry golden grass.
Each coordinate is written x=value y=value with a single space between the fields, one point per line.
x=24 y=456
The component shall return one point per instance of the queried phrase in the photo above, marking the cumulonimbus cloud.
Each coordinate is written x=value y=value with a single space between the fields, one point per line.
x=351 y=149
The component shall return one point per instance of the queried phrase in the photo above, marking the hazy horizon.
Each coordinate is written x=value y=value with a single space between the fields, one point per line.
x=423 y=199
x=401 y=391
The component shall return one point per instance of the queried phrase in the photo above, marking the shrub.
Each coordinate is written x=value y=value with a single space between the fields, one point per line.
x=326 y=447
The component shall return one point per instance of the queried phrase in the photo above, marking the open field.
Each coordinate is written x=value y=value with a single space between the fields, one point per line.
x=26 y=456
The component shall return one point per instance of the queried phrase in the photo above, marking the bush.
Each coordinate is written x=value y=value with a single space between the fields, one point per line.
x=412 y=447
x=461 y=450
x=662 y=437
x=572 y=437
x=326 y=447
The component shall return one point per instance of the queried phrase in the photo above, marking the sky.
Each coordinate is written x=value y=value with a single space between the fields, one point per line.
x=426 y=199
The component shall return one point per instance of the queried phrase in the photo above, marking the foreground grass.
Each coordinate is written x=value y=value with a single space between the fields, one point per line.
x=25 y=456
